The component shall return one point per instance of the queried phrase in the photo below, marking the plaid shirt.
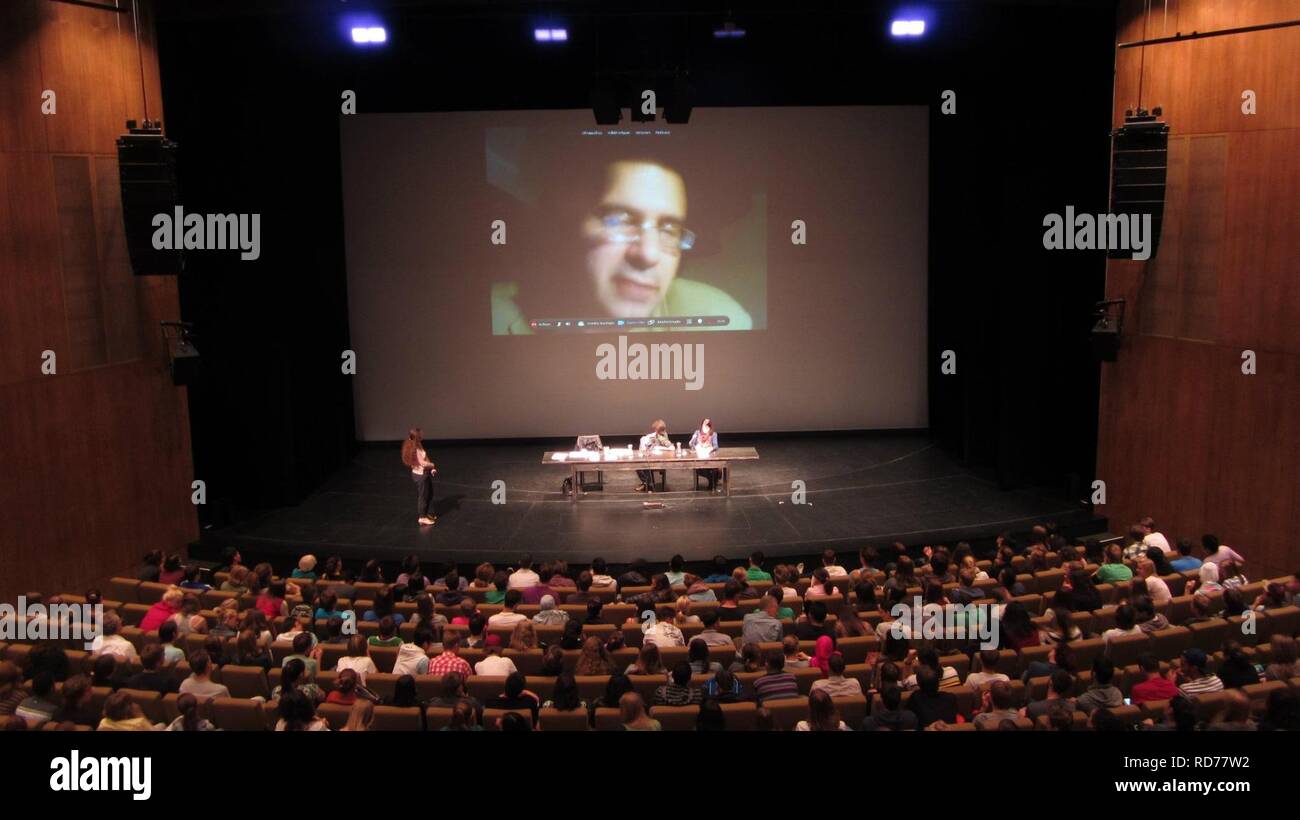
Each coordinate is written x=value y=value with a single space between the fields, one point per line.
x=449 y=662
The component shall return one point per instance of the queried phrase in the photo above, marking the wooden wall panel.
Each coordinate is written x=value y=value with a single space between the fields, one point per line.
x=1184 y=435
x=95 y=464
x=1153 y=449
x=81 y=59
x=1259 y=295
x=1198 y=83
x=22 y=125
x=83 y=300
x=1208 y=15
x=1252 y=487
x=31 y=291
x=96 y=472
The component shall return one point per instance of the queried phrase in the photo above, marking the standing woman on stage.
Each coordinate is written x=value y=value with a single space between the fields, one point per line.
x=706 y=436
x=422 y=473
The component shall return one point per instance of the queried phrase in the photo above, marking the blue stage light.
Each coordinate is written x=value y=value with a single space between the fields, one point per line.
x=907 y=28
x=369 y=35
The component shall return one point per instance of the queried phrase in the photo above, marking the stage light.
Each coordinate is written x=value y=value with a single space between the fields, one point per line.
x=368 y=35
x=728 y=31
x=551 y=35
x=907 y=28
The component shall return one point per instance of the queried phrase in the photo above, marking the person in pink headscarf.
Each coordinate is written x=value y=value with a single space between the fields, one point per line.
x=822 y=654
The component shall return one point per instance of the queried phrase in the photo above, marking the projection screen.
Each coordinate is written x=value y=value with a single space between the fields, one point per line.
x=528 y=273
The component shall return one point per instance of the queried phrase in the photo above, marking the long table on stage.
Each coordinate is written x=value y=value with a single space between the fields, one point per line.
x=719 y=459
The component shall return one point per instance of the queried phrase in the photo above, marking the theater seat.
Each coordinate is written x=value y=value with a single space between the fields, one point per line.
x=148 y=593
x=645 y=685
x=572 y=720
x=609 y=720
x=1126 y=650
x=1259 y=694
x=1028 y=655
x=122 y=589
x=1210 y=635
x=852 y=709
x=330 y=655
x=1167 y=644
x=805 y=678
x=384 y=657
x=491 y=716
x=855 y=650
x=1285 y=620
x=485 y=687
x=786 y=712
x=1209 y=704
x=591 y=687
x=1087 y=651
x=245 y=681
x=436 y=717
x=398 y=719
x=238 y=715
x=740 y=717
x=335 y=714
x=676 y=718
x=541 y=686
x=149 y=702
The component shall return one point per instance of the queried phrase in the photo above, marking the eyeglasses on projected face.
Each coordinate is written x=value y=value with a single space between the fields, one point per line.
x=624 y=225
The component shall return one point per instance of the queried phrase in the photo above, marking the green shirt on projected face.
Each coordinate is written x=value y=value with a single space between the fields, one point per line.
x=685 y=297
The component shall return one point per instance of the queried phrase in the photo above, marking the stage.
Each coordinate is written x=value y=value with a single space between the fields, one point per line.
x=875 y=488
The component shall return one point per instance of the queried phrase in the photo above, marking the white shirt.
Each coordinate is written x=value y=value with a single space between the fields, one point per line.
x=507 y=618
x=1155 y=539
x=1111 y=634
x=361 y=664
x=904 y=628
x=1158 y=590
x=1223 y=553
x=523 y=579
x=114 y=645
x=802 y=726
x=420 y=460
x=662 y=634
x=317 y=725
x=651 y=441
x=836 y=571
x=981 y=680
x=495 y=666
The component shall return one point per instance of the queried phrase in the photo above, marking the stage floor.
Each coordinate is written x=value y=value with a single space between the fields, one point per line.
x=875 y=488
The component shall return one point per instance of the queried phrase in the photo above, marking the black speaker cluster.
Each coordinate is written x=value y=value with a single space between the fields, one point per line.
x=146 y=168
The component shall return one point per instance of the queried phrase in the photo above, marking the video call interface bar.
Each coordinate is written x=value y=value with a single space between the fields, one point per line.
x=589 y=325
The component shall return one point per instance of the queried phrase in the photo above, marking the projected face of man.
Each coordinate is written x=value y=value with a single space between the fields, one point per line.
x=631 y=276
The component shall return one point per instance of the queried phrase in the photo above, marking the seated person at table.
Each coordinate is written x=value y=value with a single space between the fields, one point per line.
x=657 y=437
x=707 y=437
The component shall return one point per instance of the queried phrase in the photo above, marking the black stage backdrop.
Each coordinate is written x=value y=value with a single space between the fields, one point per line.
x=252 y=94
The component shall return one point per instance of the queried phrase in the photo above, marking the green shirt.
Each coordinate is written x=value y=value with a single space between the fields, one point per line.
x=494 y=597
x=1112 y=573
x=685 y=297
x=757 y=574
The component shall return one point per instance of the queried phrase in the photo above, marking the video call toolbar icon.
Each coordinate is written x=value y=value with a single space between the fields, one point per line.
x=658 y=323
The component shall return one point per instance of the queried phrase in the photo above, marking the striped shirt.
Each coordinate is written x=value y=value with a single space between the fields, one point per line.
x=1207 y=683
x=775 y=685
